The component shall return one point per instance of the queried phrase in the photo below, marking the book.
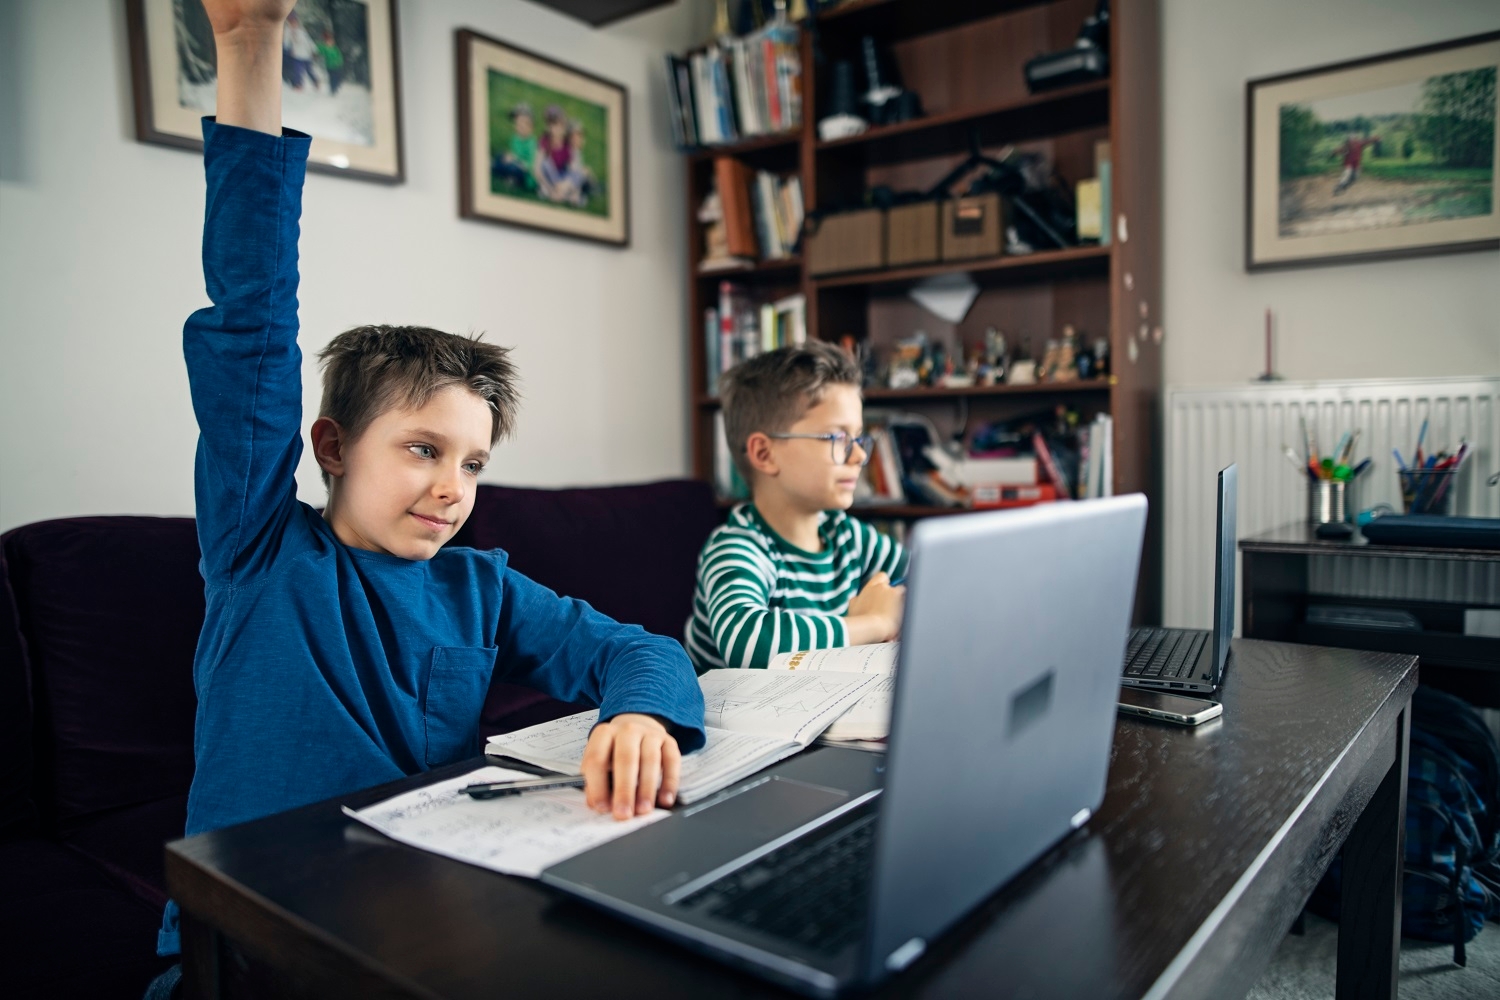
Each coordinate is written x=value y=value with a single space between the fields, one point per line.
x=752 y=718
x=870 y=717
x=732 y=179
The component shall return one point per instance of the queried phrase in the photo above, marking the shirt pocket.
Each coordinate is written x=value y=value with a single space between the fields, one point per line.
x=456 y=685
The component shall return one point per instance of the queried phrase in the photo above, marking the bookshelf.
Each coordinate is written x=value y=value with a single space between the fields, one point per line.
x=965 y=58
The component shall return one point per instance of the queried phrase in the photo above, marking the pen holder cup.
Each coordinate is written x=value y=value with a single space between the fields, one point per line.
x=1328 y=500
x=1429 y=491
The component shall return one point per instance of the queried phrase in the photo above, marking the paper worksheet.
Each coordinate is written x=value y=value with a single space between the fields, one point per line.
x=753 y=718
x=870 y=718
x=517 y=835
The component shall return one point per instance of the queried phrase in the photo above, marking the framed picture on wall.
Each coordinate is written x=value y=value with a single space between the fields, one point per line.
x=340 y=80
x=1390 y=156
x=540 y=144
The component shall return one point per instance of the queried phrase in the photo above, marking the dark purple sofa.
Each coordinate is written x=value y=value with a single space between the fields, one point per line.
x=98 y=620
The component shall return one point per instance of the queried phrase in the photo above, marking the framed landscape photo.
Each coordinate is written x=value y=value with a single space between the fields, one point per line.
x=340 y=80
x=540 y=144
x=1390 y=156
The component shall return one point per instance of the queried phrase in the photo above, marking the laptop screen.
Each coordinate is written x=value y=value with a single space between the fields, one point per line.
x=1224 y=568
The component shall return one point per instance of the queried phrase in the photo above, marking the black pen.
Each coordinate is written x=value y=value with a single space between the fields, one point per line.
x=497 y=789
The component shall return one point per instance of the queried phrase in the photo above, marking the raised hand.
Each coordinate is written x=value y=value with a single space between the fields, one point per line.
x=229 y=16
x=247 y=35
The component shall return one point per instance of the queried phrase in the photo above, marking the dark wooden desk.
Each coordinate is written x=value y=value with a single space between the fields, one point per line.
x=1434 y=584
x=1208 y=844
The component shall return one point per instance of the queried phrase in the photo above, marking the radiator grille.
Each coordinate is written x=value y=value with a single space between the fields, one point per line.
x=1206 y=429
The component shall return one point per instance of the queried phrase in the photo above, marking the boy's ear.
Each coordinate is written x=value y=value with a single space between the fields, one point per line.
x=328 y=446
x=758 y=452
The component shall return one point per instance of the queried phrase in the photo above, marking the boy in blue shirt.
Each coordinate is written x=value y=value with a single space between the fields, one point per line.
x=347 y=649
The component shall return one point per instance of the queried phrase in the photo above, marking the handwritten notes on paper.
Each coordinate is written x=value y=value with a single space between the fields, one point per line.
x=517 y=835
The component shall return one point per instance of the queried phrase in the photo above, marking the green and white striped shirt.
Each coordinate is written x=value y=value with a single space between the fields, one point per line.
x=758 y=595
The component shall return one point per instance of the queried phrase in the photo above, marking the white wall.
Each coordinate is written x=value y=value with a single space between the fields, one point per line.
x=99 y=239
x=1415 y=317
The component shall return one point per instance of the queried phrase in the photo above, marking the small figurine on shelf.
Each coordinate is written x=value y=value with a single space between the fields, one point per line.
x=1048 y=365
x=1101 y=358
x=906 y=361
x=1065 y=368
x=996 y=357
x=1022 y=368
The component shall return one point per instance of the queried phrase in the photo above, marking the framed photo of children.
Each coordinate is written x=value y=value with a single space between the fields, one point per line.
x=340 y=80
x=1389 y=156
x=540 y=144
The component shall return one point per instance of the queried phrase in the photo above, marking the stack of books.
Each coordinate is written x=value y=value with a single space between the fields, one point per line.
x=737 y=88
x=762 y=214
x=740 y=328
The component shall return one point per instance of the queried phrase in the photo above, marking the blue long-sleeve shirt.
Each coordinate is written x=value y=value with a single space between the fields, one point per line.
x=322 y=669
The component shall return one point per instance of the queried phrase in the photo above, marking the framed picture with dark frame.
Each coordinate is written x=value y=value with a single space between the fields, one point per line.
x=341 y=81
x=1389 y=156
x=540 y=145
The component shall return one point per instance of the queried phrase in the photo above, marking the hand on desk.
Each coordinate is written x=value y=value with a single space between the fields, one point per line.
x=643 y=760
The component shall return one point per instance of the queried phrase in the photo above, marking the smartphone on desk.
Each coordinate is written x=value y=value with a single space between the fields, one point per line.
x=1165 y=707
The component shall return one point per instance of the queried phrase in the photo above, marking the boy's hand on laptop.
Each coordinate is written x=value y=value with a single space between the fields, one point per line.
x=875 y=613
x=641 y=756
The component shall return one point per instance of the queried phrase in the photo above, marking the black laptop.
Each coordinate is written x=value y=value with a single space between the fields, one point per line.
x=837 y=868
x=1192 y=660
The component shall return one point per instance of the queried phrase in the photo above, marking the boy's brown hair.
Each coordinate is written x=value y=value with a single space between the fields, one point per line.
x=371 y=369
x=770 y=392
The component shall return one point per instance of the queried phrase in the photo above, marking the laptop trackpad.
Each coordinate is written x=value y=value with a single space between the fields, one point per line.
x=771 y=808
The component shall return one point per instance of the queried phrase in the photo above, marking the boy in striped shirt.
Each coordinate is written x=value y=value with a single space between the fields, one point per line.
x=790 y=570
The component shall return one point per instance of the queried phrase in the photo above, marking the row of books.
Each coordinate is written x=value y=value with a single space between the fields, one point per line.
x=737 y=88
x=907 y=466
x=740 y=328
x=763 y=214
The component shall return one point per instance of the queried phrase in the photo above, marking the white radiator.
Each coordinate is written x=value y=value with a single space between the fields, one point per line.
x=1206 y=429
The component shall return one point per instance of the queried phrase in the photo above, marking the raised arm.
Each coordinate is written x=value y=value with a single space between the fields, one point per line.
x=243 y=362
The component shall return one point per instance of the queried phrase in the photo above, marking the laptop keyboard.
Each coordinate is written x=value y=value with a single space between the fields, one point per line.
x=1163 y=653
x=812 y=891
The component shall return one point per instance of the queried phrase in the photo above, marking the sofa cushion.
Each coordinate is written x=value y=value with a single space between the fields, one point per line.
x=66 y=930
x=17 y=810
x=130 y=844
x=110 y=608
x=630 y=551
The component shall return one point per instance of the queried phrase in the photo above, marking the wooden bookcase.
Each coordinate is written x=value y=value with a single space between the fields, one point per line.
x=965 y=58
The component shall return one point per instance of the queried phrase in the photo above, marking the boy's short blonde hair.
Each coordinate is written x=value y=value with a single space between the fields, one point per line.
x=371 y=369
x=770 y=392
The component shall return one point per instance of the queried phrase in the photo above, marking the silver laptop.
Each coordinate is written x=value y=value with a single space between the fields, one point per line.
x=837 y=868
x=1192 y=659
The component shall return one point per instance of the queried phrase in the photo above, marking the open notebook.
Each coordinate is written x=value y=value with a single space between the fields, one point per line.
x=752 y=718
x=867 y=724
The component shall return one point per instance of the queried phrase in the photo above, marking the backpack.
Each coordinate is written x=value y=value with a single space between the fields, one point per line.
x=1451 y=876
x=1450 y=880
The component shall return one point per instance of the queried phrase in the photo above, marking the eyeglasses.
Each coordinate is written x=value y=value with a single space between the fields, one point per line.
x=841 y=445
